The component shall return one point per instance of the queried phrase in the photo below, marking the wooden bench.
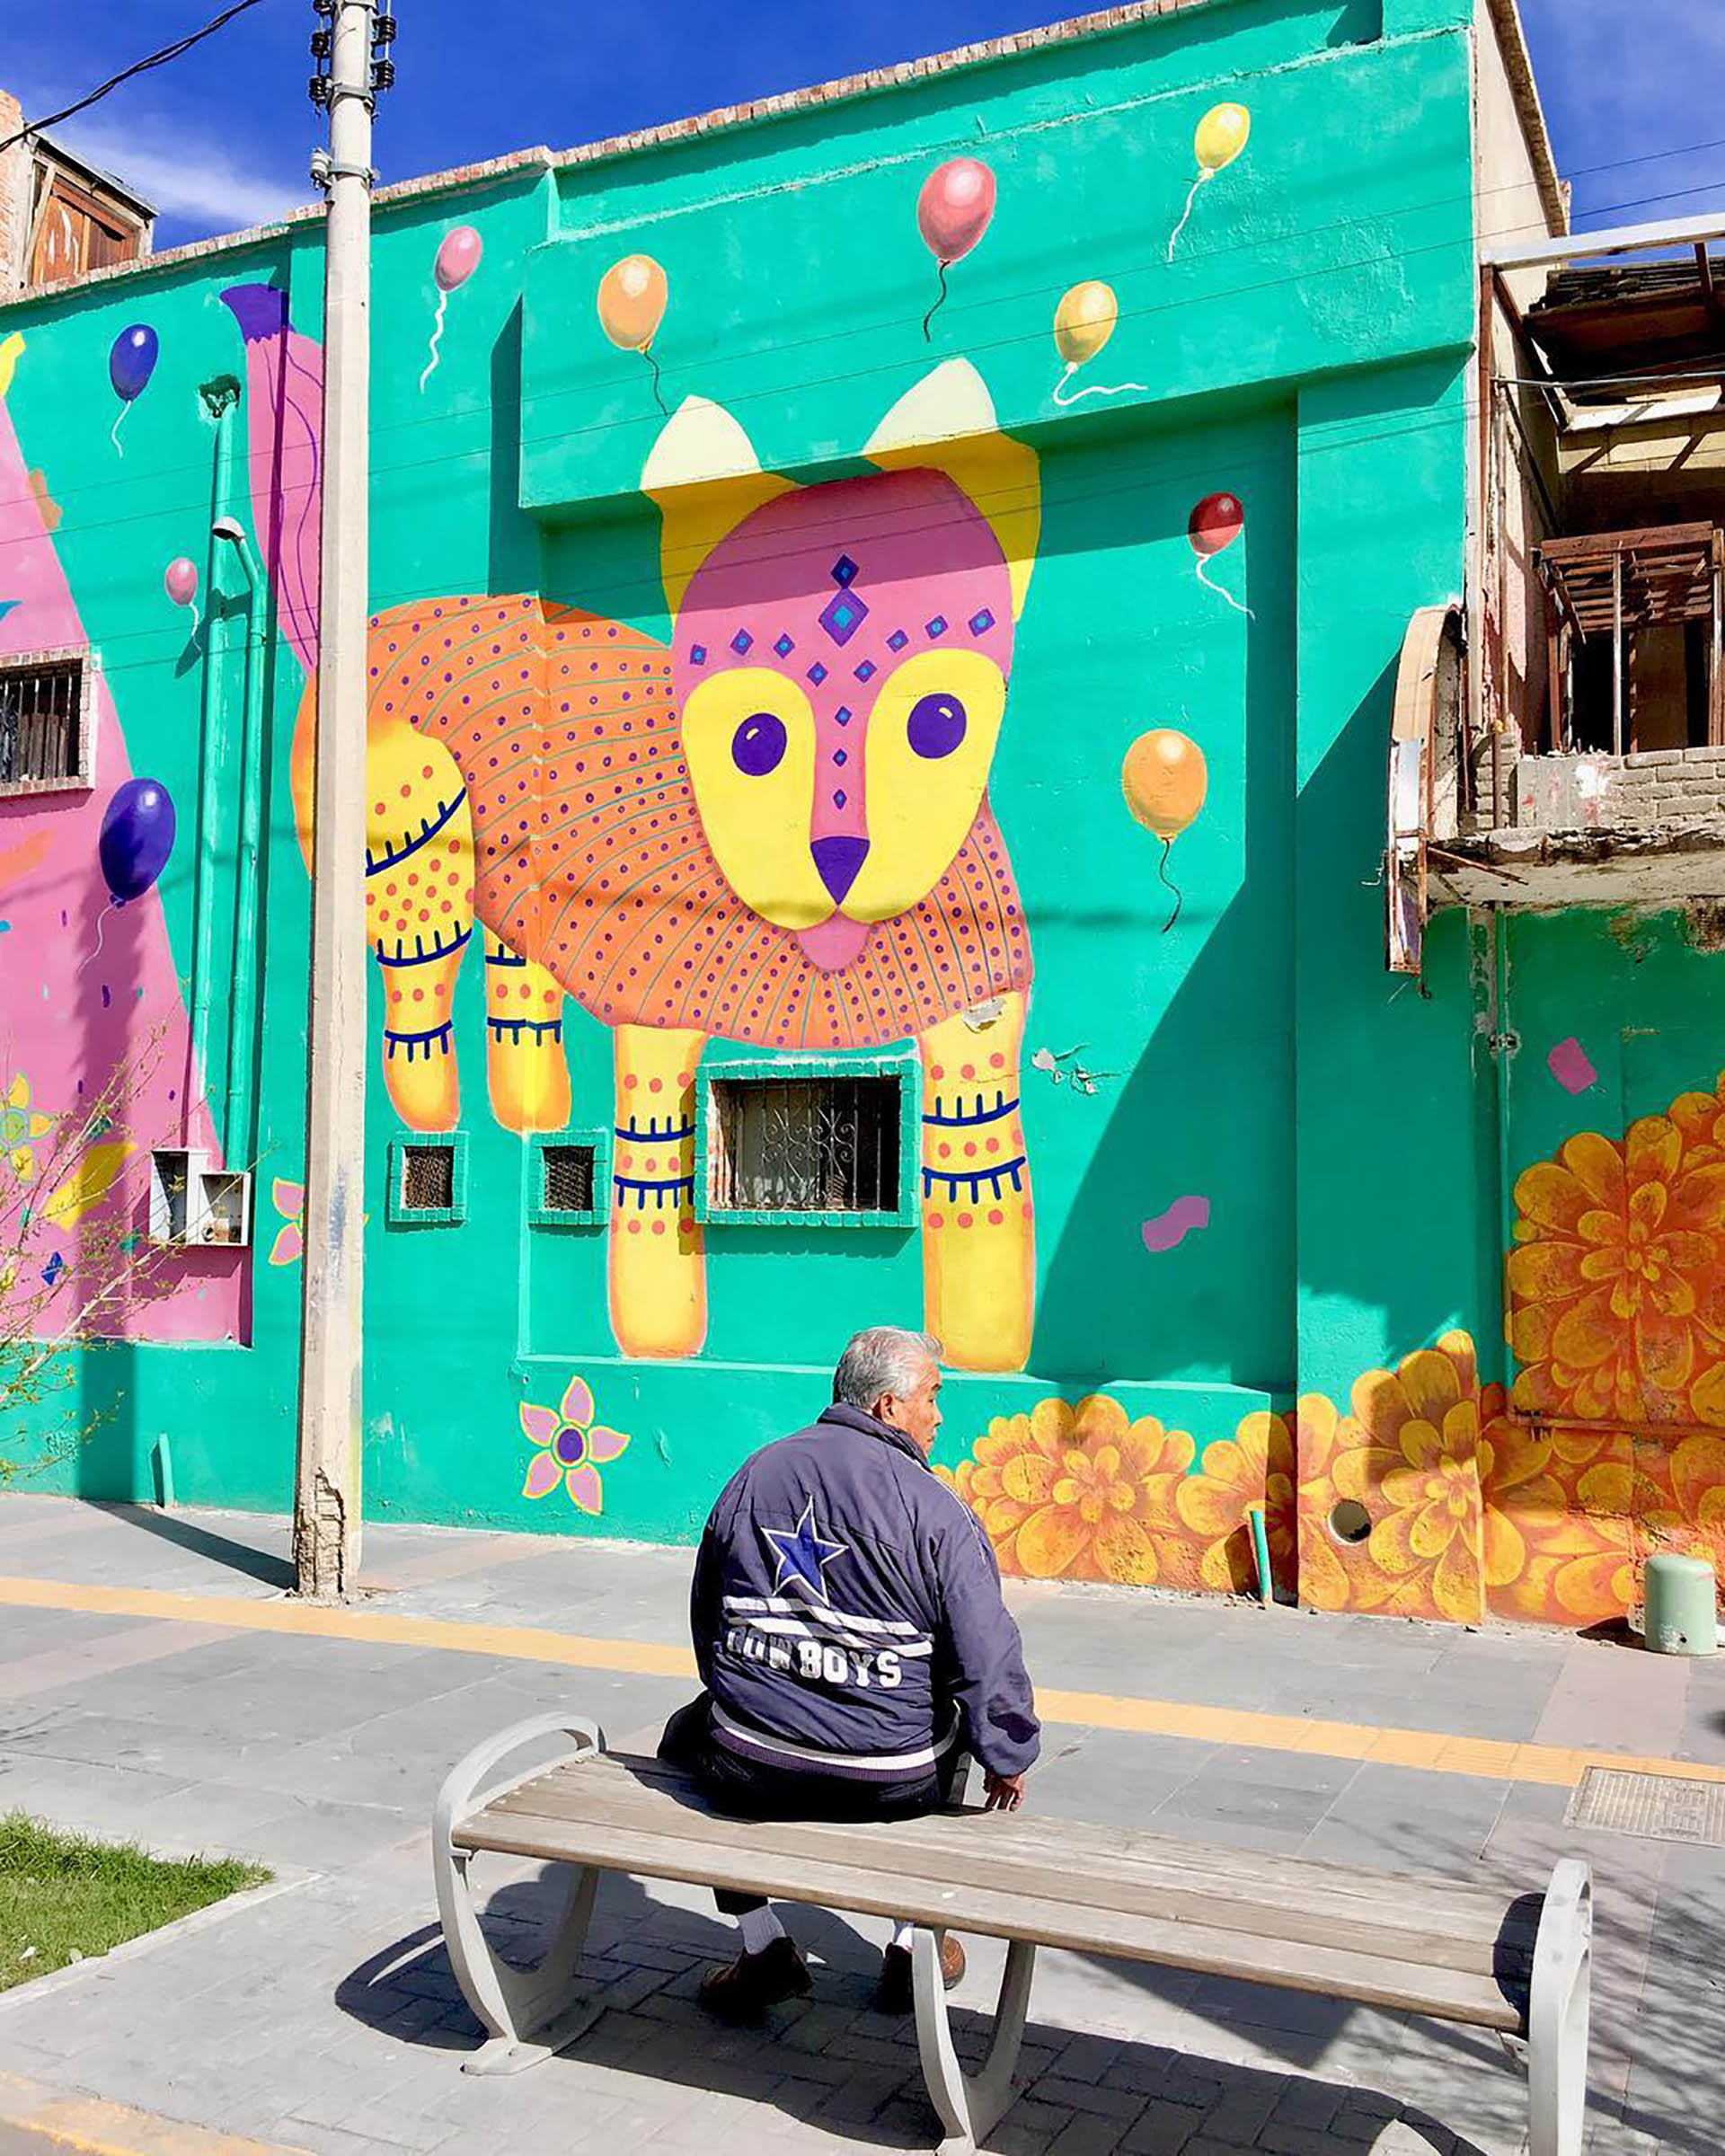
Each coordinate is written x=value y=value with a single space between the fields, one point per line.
x=1458 y=1953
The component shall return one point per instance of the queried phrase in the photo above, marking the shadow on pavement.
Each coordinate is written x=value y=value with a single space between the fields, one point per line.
x=204 y=1541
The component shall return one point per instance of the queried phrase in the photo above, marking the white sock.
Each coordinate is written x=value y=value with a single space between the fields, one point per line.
x=902 y=1935
x=759 y=1928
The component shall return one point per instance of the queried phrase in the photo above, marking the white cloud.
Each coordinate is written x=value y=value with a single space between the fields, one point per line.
x=187 y=179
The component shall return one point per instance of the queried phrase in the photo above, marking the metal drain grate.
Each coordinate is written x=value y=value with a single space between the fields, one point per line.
x=1659 y=1808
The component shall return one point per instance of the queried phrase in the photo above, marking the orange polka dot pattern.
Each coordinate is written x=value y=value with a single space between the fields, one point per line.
x=591 y=859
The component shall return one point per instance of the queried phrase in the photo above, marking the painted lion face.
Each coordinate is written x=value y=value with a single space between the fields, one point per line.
x=840 y=661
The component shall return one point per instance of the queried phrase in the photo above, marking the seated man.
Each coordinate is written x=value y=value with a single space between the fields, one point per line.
x=850 y=1632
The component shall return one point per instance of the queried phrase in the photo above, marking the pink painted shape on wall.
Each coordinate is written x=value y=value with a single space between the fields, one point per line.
x=1568 y=1064
x=67 y=1017
x=1169 y=1230
x=284 y=385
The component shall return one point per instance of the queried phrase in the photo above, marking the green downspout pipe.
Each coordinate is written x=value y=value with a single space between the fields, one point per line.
x=237 y=1135
x=219 y=397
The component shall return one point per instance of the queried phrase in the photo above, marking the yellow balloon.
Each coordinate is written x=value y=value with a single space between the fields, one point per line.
x=1085 y=321
x=633 y=294
x=1165 y=778
x=1221 y=136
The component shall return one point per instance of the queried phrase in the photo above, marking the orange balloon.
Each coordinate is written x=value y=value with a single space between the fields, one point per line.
x=632 y=295
x=1165 y=778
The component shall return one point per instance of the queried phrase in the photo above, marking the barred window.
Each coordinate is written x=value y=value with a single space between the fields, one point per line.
x=805 y=1145
x=567 y=1178
x=427 y=1178
x=43 y=734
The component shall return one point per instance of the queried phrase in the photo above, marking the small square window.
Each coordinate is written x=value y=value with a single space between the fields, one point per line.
x=823 y=1145
x=427 y=1181
x=568 y=1175
x=45 y=722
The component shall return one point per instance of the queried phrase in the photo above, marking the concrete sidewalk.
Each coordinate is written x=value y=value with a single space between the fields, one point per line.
x=149 y=1689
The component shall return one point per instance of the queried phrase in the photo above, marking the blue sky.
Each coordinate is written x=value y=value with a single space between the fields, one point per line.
x=219 y=139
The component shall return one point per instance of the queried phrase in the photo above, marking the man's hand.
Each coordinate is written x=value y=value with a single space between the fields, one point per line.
x=1005 y=1792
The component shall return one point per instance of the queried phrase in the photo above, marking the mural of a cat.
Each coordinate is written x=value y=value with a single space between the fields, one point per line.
x=776 y=832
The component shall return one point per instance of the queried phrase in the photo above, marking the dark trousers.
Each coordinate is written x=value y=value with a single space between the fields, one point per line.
x=745 y=1790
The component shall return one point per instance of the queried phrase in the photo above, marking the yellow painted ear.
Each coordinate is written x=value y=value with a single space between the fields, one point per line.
x=946 y=423
x=704 y=475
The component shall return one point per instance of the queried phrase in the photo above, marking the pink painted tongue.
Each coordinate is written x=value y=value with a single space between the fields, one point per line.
x=831 y=944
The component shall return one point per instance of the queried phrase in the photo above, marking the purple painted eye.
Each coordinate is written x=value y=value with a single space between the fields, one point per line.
x=758 y=746
x=936 y=725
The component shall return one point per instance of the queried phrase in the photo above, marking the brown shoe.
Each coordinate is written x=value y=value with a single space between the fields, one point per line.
x=744 y=1989
x=897 y=1991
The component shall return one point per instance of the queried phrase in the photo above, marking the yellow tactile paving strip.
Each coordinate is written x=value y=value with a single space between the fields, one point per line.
x=1435 y=1751
x=104 y=2129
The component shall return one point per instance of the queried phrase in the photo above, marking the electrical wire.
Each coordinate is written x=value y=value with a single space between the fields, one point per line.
x=143 y=66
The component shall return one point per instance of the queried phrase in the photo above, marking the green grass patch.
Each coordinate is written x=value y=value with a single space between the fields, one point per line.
x=63 y=1898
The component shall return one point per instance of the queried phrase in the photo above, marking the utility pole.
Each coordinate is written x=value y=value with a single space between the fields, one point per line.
x=326 y=1484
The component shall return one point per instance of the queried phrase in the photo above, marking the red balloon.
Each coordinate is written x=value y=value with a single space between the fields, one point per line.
x=953 y=209
x=1216 y=522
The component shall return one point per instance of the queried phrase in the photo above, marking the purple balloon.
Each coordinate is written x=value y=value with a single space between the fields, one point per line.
x=132 y=361
x=137 y=838
x=458 y=257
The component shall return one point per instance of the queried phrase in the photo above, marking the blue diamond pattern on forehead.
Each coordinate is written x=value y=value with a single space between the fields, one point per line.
x=840 y=755
x=740 y=643
x=817 y=673
x=937 y=627
x=785 y=647
x=843 y=714
x=979 y=621
x=839 y=798
x=843 y=615
x=845 y=570
x=897 y=640
x=866 y=670
x=697 y=655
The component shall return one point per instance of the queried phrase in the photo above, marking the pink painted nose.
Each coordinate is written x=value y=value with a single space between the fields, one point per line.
x=838 y=860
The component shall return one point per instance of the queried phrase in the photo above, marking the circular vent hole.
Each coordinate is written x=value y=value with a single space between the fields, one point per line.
x=1351 y=1522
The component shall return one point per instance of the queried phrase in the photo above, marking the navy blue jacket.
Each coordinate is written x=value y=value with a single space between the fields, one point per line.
x=847 y=1614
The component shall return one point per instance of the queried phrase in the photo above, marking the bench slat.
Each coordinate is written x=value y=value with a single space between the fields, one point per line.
x=995 y=1851
x=1470 y=1911
x=1401 y=1987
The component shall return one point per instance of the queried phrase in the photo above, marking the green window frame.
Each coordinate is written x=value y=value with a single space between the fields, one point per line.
x=542 y=1216
x=399 y=1213
x=906 y=1069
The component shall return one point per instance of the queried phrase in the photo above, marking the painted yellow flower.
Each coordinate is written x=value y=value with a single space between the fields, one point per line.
x=1615 y=1282
x=1417 y=1474
x=1557 y=1519
x=1252 y=1467
x=21 y=1125
x=1076 y=1492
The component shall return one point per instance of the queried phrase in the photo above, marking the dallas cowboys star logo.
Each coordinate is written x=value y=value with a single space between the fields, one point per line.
x=803 y=1553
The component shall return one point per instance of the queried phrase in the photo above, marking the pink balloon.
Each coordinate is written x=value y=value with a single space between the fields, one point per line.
x=458 y=257
x=953 y=209
x=180 y=582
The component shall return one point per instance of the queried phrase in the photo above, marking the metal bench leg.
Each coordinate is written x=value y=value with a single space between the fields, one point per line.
x=533 y=2012
x=968 y=2104
x=1557 y=2020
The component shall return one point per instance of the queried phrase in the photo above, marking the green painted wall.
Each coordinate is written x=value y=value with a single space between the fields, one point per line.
x=1306 y=349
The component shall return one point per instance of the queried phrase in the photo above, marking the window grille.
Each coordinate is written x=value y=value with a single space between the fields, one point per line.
x=427 y=1178
x=805 y=1145
x=43 y=736
x=567 y=1184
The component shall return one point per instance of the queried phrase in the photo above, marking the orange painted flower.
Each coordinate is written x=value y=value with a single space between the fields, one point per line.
x=1077 y=1493
x=1616 y=1282
x=1252 y=1467
x=1417 y=1475
x=1557 y=1520
x=1318 y=1435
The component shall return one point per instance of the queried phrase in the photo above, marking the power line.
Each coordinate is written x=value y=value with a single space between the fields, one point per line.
x=155 y=59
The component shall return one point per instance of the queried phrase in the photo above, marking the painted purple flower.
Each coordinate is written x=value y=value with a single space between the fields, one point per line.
x=573 y=1449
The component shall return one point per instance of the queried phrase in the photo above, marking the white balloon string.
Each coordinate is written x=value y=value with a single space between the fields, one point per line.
x=194 y=621
x=113 y=432
x=1203 y=174
x=436 y=331
x=1099 y=389
x=101 y=929
x=1239 y=606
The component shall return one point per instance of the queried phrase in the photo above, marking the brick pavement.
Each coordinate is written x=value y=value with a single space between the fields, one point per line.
x=321 y=2013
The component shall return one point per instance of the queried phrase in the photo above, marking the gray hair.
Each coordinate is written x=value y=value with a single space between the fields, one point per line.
x=883 y=1358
